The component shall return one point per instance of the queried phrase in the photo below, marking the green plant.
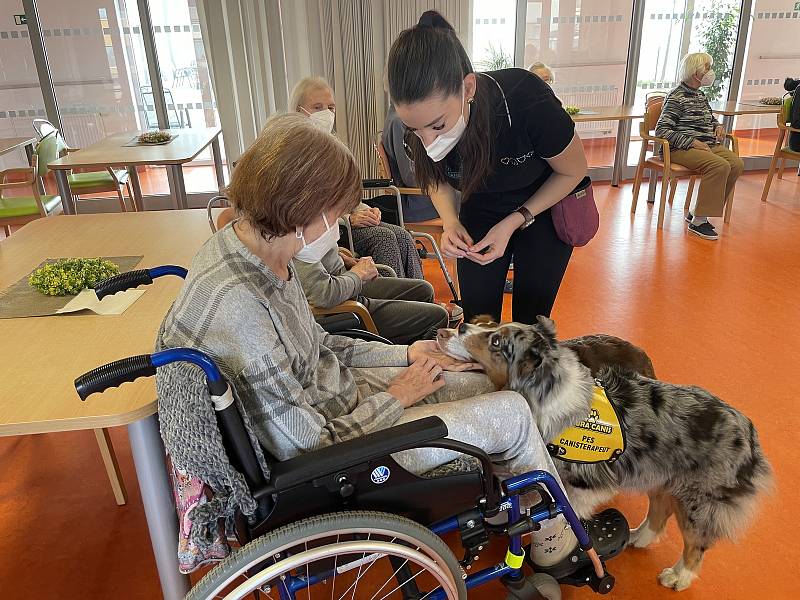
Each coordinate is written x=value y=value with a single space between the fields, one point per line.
x=572 y=110
x=68 y=276
x=719 y=38
x=154 y=137
x=496 y=59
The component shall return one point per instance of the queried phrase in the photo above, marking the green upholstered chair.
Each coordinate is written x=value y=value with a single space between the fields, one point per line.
x=88 y=182
x=18 y=209
x=782 y=152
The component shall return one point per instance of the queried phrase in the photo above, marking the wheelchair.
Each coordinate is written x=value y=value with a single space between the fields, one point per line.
x=348 y=521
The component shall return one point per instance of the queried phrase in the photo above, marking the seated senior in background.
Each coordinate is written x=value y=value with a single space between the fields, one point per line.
x=695 y=138
x=388 y=244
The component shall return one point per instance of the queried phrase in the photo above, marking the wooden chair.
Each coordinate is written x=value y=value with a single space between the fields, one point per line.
x=348 y=306
x=19 y=210
x=670 y=171
x=782 y=153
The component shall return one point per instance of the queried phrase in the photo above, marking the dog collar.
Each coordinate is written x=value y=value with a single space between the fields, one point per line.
x=597 y=438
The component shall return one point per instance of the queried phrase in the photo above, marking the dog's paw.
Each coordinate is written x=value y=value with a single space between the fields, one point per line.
x=675 y=579
x=642 y=537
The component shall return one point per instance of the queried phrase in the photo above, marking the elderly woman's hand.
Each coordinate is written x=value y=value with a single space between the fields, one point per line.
x=416 y=382
x=364 y=218
x=429 y=349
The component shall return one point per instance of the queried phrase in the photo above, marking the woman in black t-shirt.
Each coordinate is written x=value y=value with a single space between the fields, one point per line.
x=504 y=141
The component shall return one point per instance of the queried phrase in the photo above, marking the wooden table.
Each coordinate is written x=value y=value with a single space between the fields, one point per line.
x=41 y=356
x=730 y=109
x=9 y=144
x=112 y=152
x=613 y=113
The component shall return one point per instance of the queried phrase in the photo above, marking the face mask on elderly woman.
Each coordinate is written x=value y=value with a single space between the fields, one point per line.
x=313 y=252
x=324 y=119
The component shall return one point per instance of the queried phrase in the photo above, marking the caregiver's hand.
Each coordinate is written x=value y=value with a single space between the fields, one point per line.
x=455 y=240
x=416 y=382
x=364 y=218
x=493 y=246
x=429 y=349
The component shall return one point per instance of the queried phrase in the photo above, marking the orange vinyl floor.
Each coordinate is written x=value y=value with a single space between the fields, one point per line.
x=724 y=315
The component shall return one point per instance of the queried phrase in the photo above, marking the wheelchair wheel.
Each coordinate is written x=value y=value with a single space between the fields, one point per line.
x=354 y=555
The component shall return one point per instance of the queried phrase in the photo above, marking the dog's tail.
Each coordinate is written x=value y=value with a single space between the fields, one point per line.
x=735 y=503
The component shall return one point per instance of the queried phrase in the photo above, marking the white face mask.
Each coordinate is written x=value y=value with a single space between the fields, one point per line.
x=313 y=252
x=708 y=78
x=441 y=146
x=324 y=119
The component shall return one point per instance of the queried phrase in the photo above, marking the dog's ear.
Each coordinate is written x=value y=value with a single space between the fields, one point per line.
x=524 y=366
x=547 y=326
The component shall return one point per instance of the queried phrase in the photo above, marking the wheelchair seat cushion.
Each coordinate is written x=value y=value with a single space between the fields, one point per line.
x=462 y=464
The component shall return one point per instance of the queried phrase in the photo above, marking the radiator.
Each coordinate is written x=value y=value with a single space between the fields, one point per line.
x=589 y=97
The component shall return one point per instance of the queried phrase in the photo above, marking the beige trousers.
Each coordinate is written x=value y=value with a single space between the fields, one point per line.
x=718 y=171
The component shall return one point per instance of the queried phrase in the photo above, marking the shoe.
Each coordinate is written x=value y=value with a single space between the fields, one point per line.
x=610 y=534
x=455 y=313
x=689 y=217
x=704 y=230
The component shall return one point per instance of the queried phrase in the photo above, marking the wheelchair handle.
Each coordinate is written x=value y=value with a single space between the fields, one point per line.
x=376 y=183
x=133 y=279
x=129 y=369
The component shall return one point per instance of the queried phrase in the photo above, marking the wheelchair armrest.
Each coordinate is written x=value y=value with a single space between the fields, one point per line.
x=328 y=460
x=375 y=183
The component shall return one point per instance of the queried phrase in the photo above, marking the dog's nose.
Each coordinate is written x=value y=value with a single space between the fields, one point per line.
x=462 y=329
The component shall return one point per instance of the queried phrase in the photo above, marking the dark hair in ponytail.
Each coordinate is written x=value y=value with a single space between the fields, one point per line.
x=429 y=60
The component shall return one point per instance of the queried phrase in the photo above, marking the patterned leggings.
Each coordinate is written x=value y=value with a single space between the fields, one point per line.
x=389 y=245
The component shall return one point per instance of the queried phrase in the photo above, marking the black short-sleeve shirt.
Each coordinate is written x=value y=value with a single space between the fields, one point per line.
x=540 y=128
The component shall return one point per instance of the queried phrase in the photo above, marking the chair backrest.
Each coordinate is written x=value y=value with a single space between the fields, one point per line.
x=785 y=115
x=652 y=112
x=223 y=218
x=43 y=127
x=384 y=168
x=47 y=150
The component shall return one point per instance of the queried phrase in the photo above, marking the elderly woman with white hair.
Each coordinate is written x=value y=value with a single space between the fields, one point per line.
x=543 y=72
x=695 y=140
x=386 y=243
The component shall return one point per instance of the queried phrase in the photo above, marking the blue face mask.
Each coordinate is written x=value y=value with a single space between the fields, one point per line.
x=313 y=252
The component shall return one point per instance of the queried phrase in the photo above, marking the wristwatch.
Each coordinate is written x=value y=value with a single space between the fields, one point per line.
x=526 y=214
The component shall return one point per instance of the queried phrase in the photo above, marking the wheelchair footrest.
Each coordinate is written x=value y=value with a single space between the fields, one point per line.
x=587 y=576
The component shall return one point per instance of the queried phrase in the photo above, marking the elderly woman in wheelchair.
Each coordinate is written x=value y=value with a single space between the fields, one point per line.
x=361 y=433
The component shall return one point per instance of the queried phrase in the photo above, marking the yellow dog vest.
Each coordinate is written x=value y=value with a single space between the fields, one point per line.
x=598 y=438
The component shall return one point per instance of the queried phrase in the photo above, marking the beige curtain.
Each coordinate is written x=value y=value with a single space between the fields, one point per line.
x=258 y=50
x=245 y=49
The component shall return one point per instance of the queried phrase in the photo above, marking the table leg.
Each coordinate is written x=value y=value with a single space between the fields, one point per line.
x=112 y=466
x=218 y=163
x=652 y=182
x=620 y=154
x=67 y=201
x=133 y=176
x=159 y=505
x=29 y=154
x=180 y=186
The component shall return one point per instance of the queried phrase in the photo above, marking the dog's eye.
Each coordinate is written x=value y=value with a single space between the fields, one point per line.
x=495 y=342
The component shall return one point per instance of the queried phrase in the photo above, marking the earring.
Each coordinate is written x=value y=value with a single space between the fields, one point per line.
x=471 y=100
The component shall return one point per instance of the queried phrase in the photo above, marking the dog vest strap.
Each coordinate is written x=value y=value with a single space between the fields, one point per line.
x=598 y=438
x=514 y=561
